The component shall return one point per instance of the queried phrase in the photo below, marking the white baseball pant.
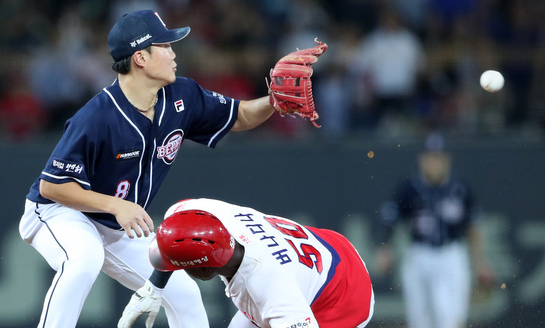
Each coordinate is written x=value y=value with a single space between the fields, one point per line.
x=79 y=248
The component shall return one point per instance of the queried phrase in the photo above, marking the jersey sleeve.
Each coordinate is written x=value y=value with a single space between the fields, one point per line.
x=72 y=158
x=213 y=115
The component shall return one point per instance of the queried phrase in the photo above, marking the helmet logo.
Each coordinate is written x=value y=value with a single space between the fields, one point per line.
x=232 y=242
x=189 y=263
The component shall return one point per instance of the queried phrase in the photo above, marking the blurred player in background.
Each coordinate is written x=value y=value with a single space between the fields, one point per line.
x=436 y=274
x=277 y=272
x=90 y=200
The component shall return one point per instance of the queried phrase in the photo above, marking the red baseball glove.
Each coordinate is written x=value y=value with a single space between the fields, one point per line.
x=290 y=89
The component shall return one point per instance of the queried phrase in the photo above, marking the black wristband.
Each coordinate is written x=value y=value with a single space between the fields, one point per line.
x=159 y=279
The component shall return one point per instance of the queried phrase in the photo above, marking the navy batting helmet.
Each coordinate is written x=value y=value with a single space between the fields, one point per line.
x=191 y=239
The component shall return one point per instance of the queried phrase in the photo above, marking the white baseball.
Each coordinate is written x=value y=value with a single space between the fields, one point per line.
x=492 y=81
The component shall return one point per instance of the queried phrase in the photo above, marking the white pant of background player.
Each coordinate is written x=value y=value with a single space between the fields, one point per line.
x=78 y=249
x=437 y=285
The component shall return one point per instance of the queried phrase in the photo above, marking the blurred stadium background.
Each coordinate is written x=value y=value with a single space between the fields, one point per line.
x=394 y=70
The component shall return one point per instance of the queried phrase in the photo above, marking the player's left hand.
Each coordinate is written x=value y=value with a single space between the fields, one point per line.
x=147 y=299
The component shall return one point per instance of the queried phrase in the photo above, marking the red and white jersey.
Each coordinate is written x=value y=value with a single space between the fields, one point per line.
x=291 y=275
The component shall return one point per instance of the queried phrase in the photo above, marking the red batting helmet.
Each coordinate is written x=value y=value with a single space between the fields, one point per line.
x=191 y=239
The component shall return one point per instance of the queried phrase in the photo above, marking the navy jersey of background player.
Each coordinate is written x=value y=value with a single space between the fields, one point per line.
x=438 y=215
x=111 y=148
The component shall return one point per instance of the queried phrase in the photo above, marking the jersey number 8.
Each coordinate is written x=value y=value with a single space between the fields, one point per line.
x=123 y=189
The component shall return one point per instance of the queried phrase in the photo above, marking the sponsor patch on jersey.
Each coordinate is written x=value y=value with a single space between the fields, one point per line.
x=128 y=155
x=68 y=167
x=169 y=149
x=220 y=97
x=179 y=105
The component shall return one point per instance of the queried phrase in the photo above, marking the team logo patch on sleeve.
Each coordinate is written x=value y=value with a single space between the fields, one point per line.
x=169 y=149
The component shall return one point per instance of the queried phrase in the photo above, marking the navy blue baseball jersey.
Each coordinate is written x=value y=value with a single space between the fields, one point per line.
x=438 y=215
x=111 y=148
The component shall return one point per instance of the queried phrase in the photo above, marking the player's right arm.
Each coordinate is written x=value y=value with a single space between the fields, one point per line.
x=130 y=216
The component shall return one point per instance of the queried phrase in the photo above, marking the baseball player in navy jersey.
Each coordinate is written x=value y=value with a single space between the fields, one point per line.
x=277 y=272
x=436 y=275
x=84 y=210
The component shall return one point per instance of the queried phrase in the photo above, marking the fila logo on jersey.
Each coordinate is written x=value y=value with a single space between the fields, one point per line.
x=168 y=151
x=179 y=105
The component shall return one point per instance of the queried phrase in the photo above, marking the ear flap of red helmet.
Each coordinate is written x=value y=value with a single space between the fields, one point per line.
x=158 y=260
